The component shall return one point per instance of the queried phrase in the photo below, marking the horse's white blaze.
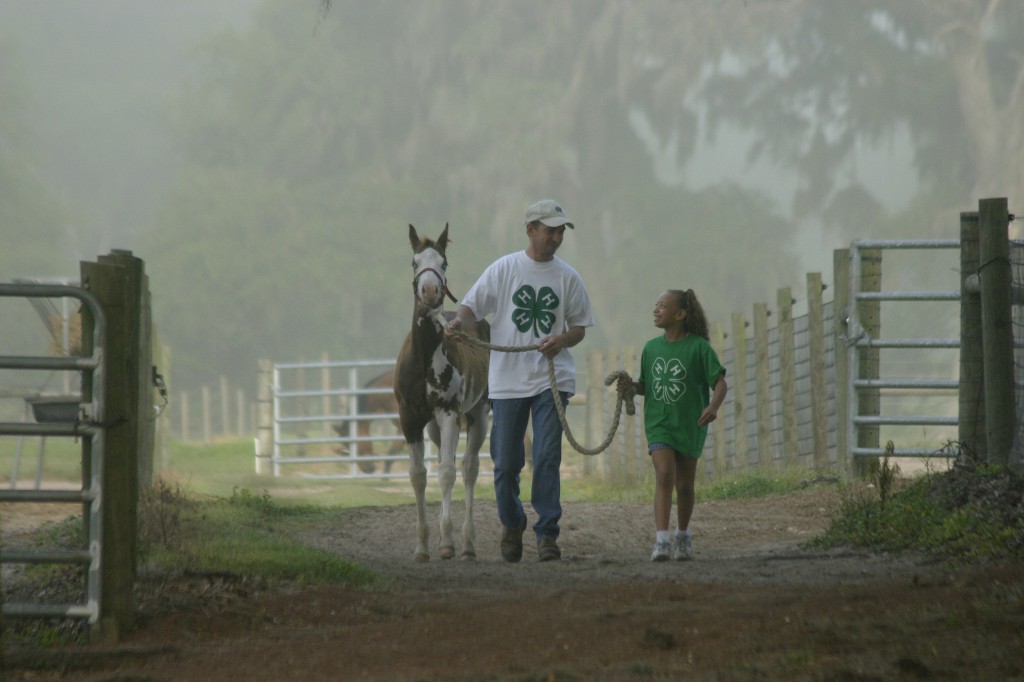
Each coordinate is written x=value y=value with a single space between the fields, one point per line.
x=429 y=267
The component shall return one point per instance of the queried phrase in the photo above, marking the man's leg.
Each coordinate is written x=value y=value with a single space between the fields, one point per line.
x=508 y=425
x=547 y=462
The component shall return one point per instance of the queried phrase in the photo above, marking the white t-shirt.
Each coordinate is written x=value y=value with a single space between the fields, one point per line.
x=529 y=301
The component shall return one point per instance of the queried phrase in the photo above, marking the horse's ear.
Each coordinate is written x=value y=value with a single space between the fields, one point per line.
x=414 y=238
x=442 y=241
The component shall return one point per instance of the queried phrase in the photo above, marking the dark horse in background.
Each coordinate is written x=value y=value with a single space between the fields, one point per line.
x=438 y=382
x=369 y=404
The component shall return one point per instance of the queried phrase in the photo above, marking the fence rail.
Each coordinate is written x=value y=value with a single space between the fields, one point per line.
x=825 y=389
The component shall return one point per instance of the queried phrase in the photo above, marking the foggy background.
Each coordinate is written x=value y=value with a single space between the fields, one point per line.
x=265 y=157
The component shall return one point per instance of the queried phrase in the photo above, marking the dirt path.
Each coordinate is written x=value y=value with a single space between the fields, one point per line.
x=751 y=606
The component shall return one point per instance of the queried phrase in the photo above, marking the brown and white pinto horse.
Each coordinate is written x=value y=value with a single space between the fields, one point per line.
x=437 y=381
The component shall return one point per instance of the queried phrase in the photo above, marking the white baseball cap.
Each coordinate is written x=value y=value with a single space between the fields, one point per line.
x=549 y=212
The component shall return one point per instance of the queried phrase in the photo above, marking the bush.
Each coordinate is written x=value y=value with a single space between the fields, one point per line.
x=969 y=512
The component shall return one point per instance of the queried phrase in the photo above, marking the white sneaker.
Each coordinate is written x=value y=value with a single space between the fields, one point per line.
x=682 y=549
x=661 y=551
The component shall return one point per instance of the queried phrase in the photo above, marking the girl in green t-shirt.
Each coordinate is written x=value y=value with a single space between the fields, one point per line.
x=683 y=384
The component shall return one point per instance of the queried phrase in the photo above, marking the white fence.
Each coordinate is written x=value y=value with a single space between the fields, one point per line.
x=333 y=419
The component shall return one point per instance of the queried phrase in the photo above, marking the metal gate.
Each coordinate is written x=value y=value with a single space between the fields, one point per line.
x=873 y=377
x=84 y=420
x=318 y=426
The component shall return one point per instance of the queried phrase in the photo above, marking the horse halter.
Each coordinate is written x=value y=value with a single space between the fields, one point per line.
x=440 y=277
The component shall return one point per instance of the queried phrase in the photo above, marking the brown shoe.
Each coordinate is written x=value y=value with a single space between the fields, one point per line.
x=512 y=543
x=547 y=550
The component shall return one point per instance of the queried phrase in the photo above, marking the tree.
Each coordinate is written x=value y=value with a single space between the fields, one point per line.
x=947 y=73
x=26 y=208
x=308 y=154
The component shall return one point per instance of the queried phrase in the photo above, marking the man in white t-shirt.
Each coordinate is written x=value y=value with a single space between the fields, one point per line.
x=533 y=297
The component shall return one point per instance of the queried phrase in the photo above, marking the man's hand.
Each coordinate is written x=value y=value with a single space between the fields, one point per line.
x=551 y=346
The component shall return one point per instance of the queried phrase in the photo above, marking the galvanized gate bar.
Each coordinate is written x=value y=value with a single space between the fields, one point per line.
x=64 y=496
x=353 y=389
x=932 y=384
x=867 y=342
x=282 y=419
x=92 y=426
x=858 y=339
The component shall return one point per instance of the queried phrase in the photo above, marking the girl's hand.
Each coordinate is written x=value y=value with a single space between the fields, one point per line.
x=623 y=383
x=707 y=416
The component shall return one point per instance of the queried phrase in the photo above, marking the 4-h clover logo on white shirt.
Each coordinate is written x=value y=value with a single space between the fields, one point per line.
x=668 y=378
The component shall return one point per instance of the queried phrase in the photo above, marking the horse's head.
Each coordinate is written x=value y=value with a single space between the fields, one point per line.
x=429 y=281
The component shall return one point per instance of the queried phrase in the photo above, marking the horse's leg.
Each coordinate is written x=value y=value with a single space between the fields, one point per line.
x=418 y=478
x=396 y=447
x=475 y=435
x=448 y=442
x=364 y=448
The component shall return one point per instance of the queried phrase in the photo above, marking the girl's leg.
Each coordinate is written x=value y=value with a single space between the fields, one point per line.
x=664 y=460
x=685 y=478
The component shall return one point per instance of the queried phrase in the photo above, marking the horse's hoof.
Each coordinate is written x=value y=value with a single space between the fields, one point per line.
x=447 y=552
x=468 y=555
x=421 y=557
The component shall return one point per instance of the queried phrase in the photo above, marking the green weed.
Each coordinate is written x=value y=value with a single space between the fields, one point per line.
x=969 y=512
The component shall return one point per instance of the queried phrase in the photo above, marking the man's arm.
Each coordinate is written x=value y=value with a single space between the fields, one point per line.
x=464 y=318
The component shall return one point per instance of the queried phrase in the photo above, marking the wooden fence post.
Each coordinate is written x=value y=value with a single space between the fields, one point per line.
x=840 y=337
x=869 y=314
x=162 y=361
x=617 y=450
x=111 y=283
x=816 y=353
x=718 y=426
x=303 y=410
x=994 y=271
x=971 y=392
x=633 y=469
x=787 y=378
x=325 y=402
x=240 y=407
x=225 y=407
x=265 y=425
x=762 y=380
x=595 y=408
x=741 y=439
x=207 y=428
x=183 y=408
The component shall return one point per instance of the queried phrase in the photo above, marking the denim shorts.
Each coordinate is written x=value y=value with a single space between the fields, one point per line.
x=651 y=447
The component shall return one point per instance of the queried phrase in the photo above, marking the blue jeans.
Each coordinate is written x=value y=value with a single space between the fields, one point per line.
x=509 y=418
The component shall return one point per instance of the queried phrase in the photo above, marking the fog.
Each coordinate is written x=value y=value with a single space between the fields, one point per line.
x=265 y=158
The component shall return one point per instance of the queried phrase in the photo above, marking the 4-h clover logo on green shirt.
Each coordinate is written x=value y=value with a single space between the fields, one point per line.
x=534 y=309
x=668 y=378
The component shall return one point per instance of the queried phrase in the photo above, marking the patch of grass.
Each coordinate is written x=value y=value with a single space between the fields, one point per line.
x=738 y=486
x=62 y=459
x=759 y=484
x=969 y=512
x=248 y=534
x=218 y=469
x=47 y=584
x=596 y=489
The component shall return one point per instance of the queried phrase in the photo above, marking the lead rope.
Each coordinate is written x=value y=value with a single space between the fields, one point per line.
x=624 y=396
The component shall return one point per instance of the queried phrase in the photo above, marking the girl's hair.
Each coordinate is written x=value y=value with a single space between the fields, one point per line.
x=695 y=322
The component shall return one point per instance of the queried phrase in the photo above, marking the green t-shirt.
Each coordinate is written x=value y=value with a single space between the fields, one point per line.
x=678 y=377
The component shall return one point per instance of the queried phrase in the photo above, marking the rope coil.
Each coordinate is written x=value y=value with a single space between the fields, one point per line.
x=623 y=396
